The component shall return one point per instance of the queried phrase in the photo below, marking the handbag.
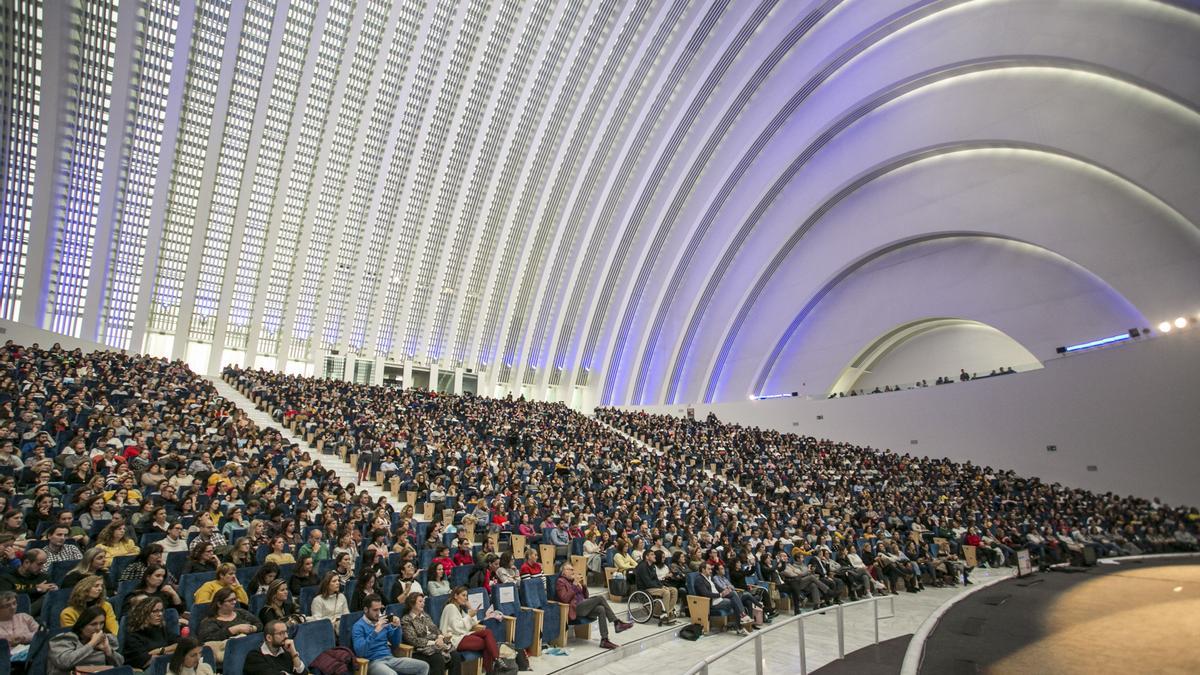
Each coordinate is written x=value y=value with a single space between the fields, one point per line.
x=618 y=586
x=690 y=632
x=504 y=666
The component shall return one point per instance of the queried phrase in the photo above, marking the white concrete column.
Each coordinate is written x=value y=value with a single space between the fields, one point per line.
x=187 y=303
x=111 y=179
x=162 y=191
x=39 y=261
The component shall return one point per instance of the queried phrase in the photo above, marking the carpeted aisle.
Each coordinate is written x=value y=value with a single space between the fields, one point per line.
x=881 y=659
x=1133 y=617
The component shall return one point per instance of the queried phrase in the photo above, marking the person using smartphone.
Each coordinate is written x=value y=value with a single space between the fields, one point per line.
x=467 y=633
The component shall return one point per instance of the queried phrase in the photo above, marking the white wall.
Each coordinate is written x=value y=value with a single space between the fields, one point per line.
x=942 y=351
x=1131 y=411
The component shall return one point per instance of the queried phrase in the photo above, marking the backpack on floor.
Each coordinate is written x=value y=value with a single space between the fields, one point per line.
x=506 y=667
x=691 y=632
x=334 y=661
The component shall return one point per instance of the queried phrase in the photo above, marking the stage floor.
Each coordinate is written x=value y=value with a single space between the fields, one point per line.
x=1131 y=617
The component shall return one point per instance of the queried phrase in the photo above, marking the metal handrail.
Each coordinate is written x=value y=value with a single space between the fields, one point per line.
x=759 y=662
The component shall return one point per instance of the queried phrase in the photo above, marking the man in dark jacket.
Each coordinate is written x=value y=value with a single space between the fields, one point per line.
x=277 y=656
x=706 y=587
x=29 y=578
x=647 y=580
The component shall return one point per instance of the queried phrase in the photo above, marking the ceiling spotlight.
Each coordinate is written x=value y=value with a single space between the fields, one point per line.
x=1180 y=322
x=1164 y=327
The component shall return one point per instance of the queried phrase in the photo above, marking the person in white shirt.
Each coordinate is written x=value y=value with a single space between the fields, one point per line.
x=330 y=603
x=465 y=631
x=174 y=541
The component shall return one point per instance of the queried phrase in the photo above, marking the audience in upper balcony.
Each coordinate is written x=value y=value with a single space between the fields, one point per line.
x=888 y=388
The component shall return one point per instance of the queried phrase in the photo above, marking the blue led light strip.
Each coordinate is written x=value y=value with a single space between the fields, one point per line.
x=1097 y=343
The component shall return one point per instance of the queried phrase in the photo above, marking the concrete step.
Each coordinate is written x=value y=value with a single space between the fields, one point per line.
x=621 y=432
x=344 y=472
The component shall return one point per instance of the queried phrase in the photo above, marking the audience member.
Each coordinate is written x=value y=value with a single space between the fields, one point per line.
x=373 y=637
x=87 y=643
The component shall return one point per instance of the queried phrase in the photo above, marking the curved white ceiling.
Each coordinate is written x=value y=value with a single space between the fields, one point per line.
x=635 y=197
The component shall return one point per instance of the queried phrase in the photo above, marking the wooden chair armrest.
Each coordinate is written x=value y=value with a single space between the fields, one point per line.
x=698 y=606
x=361 y=665
x=510 y=628
x=403 y=650
x=564 y=613
x=698 y=610
x=539 y=617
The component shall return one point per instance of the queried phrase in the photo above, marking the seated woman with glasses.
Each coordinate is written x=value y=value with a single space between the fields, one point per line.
x=146 y=633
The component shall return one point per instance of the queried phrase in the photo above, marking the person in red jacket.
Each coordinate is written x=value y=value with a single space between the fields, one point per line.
x=570 y=592
x=443 y=558
x=464 y=555
x=531 y=567
x=973 y=538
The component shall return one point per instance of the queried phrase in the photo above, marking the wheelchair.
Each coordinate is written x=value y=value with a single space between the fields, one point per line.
x=643 y=607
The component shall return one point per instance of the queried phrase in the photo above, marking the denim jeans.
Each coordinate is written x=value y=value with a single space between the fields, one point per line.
x=395 y=665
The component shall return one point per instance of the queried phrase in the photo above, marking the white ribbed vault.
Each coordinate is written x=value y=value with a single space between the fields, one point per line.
x=619 y=201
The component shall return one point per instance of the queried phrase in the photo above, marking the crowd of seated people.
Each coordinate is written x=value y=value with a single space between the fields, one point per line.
x=132 y=500
x=821 y=520
x=140 y=508
x=827 y=496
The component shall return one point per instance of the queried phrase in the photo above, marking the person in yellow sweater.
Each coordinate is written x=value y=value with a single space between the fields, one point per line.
x=622 y=560
x=226 y=578
x=87 y=593
x=114 y=540
x=132 y=494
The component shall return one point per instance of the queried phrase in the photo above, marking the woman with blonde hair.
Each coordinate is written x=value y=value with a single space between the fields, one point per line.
x=89 y=592
x=258 y=533
x=226 y=578
x=94 y=562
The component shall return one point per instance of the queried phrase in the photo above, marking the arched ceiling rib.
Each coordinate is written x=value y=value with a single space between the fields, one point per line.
x=578 y=193
x=858 y=183
x=772 y=361
x=1049 y=67
x=907 y=278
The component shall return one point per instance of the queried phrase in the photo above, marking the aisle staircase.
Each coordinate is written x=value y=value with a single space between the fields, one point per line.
x=345 y=472
x=708 y=471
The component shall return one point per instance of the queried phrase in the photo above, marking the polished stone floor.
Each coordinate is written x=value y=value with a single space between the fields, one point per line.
x=650 y=649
